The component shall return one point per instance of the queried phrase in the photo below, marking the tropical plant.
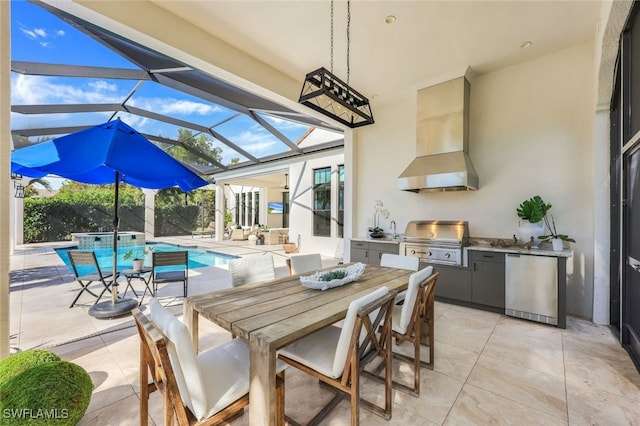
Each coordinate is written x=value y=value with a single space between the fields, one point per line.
x=533 y=210
x=129 y=254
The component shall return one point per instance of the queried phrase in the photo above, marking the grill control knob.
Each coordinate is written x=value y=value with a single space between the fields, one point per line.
x=413 y=252
x=447 y=255
x=429 y=253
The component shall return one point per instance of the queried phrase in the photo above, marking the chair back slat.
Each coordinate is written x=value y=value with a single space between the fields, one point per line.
x=170 y=258
x=84 y=259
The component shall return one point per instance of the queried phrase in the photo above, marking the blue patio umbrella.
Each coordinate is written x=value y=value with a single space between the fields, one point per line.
x=112 y=152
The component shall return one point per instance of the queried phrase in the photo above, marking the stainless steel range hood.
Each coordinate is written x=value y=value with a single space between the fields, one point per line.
x=442 y=161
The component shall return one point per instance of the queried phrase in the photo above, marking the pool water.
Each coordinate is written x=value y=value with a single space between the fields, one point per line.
x=198 y=257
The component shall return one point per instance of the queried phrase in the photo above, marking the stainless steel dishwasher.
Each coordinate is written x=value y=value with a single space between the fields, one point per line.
x=531 y=287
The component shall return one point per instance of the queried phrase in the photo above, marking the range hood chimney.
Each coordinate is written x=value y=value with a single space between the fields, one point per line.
x=442 y=156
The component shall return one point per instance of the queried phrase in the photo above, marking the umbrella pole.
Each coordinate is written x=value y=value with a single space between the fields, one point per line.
x=114 y=308
x=116 y=223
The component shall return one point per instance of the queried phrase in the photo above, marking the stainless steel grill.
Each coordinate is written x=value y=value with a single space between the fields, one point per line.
x=436 y=241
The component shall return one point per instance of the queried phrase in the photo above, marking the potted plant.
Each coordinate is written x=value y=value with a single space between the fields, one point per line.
x=532 y=212
x=138 y=261
x=557 y=240
x=376 y=231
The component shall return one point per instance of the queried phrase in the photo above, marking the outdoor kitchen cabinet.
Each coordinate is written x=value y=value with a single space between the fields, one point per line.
x=454 y=283
x=487 y=278
x=370 y=252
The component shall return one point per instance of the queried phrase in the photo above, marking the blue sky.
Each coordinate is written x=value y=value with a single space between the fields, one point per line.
x=38 y=36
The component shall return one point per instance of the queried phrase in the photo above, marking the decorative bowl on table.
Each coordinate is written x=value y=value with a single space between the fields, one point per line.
x=324 y=280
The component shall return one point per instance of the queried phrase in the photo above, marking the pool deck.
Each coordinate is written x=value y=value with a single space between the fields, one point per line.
x=42 y=288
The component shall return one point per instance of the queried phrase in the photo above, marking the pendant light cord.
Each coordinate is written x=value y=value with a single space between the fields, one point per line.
x=348 y=41
x=331 y=36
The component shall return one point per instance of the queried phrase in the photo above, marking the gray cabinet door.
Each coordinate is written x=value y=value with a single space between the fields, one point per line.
x=371 y=253
x=453 y=282
x=487 y=283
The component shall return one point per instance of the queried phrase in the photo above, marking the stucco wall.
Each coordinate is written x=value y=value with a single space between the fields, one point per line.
x=301 y=203
x=531 y=132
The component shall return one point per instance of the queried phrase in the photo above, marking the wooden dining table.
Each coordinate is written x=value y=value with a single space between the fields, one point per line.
x=273 y=314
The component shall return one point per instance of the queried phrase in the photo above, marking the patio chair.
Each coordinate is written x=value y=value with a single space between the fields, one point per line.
x=87 y=271
x=206 y=389
x=251 y=269
x=408 y=322
x=302 y=263
x=337 y=356
x=163 y=259
x=410 y=263
x=209 y=230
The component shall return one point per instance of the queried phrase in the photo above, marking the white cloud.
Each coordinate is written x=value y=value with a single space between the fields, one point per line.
x=254 y=143
x=30 y=34
x=170 y=106
x=45 y=44
x=60 y=33
x=102 y=85
x=41 y=32
x=27 y=89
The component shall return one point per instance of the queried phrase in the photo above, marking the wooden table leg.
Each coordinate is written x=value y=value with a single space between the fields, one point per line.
x=262 y=387
x=190 y=318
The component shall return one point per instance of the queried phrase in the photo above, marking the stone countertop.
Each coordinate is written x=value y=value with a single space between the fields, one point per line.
x=543 y=251
x=387 y=240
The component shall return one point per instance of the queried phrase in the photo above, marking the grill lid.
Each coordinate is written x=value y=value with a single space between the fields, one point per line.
x=438 y=232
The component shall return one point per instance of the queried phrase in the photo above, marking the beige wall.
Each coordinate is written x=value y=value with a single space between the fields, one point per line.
x=301 y=204
x=531 y=132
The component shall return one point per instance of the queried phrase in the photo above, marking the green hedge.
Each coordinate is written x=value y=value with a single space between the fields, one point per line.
x=52 y=219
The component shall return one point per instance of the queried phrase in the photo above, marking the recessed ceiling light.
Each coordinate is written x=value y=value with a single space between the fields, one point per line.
x=526 y=44
x=390 y=19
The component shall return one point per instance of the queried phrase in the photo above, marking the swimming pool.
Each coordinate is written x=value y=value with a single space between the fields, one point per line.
x=198 y=257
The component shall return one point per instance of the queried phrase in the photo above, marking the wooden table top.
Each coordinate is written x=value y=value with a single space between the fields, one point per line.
x=281 y=311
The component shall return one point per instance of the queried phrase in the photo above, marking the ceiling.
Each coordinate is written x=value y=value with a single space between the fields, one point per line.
x=429 y=42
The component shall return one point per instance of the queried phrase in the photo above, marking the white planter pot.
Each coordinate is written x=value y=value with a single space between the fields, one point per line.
x=138 y=265
x=526 y=230
x=557 y=244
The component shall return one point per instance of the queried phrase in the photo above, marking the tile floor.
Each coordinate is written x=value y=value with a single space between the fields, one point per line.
x=489 y=368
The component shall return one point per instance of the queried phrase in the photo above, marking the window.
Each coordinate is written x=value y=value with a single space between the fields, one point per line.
x=322 y=202
x=237 y=209
x=341 y=201
x=256 y=208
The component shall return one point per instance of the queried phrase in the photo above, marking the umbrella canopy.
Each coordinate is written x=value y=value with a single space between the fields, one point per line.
x=94 y=154
x=112 y=152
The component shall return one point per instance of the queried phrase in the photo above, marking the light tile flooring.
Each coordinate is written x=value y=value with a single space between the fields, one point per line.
x=489 y=368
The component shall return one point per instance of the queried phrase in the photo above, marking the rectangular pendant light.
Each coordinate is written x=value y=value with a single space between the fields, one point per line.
x=327 y=94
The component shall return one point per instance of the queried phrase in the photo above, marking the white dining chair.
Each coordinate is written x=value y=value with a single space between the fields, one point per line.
x=338 y=355
x=207 y=388
x=410 y=263
x=302 y=263
x=251 y=269
x=407 y=324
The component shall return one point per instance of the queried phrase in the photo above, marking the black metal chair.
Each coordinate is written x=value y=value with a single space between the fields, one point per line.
x=87 y=271
x=170 y=258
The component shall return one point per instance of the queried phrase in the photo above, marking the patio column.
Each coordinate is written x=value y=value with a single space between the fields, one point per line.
x=18 y=221
x=221 y=208
x=149 y=213
x=5 y=172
